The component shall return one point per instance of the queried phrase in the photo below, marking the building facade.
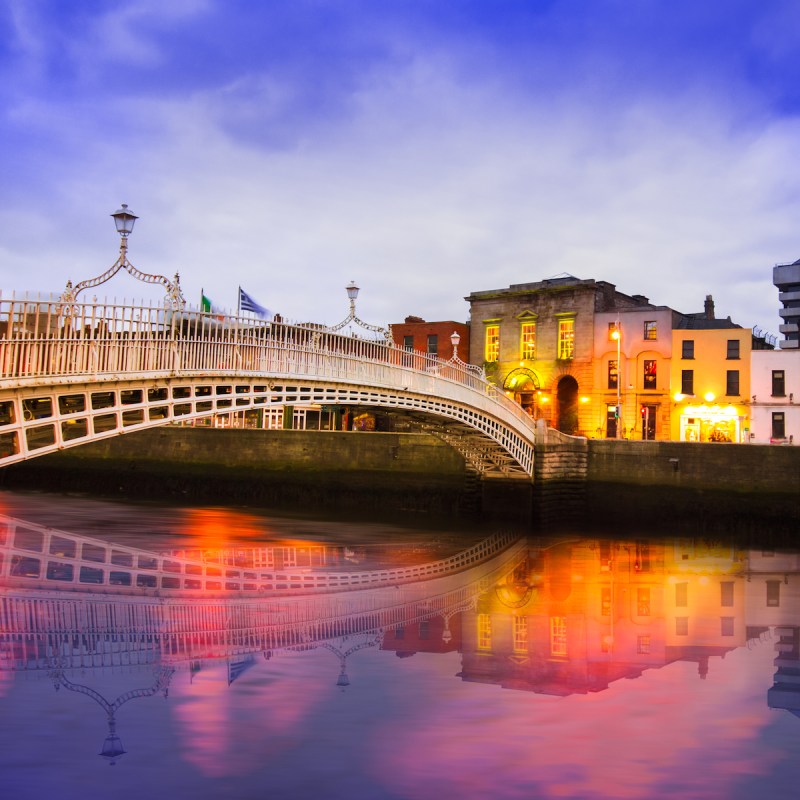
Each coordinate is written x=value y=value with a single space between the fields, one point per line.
x=537 y=341
x=432 y=338
x=775 y=399
x=787 y=278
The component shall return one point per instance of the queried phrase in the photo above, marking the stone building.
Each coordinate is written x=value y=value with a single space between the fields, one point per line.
x=536 y=340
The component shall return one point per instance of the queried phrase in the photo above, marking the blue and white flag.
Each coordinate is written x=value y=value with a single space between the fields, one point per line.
x=246 y=303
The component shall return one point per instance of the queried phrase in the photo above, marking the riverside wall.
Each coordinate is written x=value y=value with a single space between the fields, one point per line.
x=639 y=487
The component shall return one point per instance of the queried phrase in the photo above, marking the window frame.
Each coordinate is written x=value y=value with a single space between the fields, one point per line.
x=687 y=349
x=732 y=382
x=491 y=342
x=527 y=340
x=650 y=330
x=650 y=373
x=778 y=383
x=613 y=373
x=734 y=350
x=687 y=382
x=566 y=338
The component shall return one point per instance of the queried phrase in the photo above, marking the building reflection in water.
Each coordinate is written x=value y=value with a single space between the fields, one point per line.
x=556 y=617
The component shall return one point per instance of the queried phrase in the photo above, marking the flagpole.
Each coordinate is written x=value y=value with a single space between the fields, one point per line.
x=202 y=295
x=239 y=302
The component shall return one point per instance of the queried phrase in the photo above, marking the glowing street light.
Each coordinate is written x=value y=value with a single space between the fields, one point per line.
x=616 y=334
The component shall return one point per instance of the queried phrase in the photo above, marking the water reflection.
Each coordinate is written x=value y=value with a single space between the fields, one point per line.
x=375 y=656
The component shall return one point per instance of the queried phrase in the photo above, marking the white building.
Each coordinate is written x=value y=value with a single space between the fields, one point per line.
x=775 y=396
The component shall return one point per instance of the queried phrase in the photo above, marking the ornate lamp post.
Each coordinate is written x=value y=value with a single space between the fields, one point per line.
x=124 y=220
x=352 y=294
x=455 y=340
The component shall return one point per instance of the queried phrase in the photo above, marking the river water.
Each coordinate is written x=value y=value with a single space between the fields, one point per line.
x=570 y=666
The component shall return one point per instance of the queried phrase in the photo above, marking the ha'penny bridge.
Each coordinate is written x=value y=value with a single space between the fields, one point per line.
x=74 y=371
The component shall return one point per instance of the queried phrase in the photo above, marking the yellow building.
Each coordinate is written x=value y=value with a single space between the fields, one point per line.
x=710 y=381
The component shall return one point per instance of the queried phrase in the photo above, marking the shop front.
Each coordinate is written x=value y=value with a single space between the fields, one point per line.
x=712 y=423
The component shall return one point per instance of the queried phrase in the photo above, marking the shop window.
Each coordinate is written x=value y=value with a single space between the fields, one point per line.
x=613 y=374
x=558 y=637
x=528 y=340
x=566 y=338
x=687 y=381
x=650 y=330
x=726 y=593
x=732 y=382
x=681 y=626
x=492 y=342
x=778 y=425
x=726 y=626
x=408 y=343
x=650 y=374
x=773 y=594
x=778 y=383
x=733 y=349
x=433 y=344
x=484 y=632
x=687 y=348
x=521 y=634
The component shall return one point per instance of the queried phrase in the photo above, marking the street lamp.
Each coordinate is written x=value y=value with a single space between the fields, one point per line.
x=616 y=334
x=455 y=339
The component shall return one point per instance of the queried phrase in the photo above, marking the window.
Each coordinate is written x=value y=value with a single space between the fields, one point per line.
x=732 y=382
x=642 y=645
x=492 y=342
x=408 y=343
x=433 y=344
x=424 y=630
x=726 y=593
x=613 y=327
x=778 y=425
x=650 y=330
x=687 y=381
x=521 y=634
x=605 y=601
x=687 y=348
x=778 y=383
x=650 y=374
x=643 y=602
x=682 y=595
x=558 y=637
x=484 y=632
x=726 y=626
x=773 y=594
x=733 y=349
x=528 y=340
x=681 y=626
x=566 y=338
x=613 y=374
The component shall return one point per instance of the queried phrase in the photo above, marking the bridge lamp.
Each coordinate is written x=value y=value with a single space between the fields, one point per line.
x=616 y=335
x=455 y=340
x=124 y=220
x=352 y=293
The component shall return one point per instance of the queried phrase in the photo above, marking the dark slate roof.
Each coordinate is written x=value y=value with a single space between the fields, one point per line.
x=699 y=322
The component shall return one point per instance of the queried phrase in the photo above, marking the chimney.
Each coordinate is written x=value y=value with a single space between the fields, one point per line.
x=709 y=307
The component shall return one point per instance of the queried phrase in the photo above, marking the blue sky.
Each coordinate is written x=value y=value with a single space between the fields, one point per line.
x=424 y=149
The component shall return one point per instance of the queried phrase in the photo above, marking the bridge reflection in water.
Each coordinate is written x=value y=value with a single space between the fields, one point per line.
x=550 y=617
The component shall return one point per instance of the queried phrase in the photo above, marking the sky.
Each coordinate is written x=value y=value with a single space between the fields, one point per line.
x=423 y=149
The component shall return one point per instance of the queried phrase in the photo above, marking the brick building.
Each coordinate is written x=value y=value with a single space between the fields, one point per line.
x=433 y=338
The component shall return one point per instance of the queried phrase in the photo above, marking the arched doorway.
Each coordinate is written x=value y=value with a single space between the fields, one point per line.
x=523 y=385
x=567 y=405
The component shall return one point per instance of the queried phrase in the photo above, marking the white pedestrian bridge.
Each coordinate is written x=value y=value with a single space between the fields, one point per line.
x=72 y=373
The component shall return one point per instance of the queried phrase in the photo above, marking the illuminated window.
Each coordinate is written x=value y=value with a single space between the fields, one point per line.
x=643 y=602
x=566 y=338
x=521 y=634
x=484 y=632
x=687 y=348
x=650 y=330
x=528 y=340
x=682 y=595
x=558 y=637
x=613 y=373
x=650 y=374
x=681 y=626
x=605 y=601
x=492 y=342
x=643 y=645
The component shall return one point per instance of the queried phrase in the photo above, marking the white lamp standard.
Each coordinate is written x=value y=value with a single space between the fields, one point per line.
x=455 y=339
x=352 y=293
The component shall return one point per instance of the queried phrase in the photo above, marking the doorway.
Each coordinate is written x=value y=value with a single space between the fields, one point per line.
x=567 y=405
